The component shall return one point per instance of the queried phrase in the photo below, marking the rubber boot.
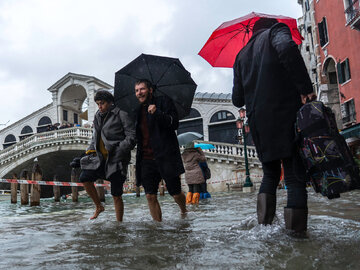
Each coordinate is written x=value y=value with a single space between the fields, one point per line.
x=266 y=206
x=195 y=198
x=295 y=219
x=189 y=196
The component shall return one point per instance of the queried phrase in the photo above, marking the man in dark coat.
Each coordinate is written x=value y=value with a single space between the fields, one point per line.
x=109 y=152
x=158 y=153
x=271 y=79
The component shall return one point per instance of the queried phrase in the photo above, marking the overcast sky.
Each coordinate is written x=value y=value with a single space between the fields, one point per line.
x=41 y=41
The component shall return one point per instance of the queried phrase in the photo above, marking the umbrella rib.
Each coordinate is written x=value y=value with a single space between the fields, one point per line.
x=162 y=76
x=230 y=39
x=235 y=30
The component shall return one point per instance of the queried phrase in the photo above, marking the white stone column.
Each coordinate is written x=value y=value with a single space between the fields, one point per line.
x=92 y=106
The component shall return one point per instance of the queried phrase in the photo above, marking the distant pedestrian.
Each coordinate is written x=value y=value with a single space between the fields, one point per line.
x=158 y=153
x=271 y=79
x=194 y=176
x=109 y=152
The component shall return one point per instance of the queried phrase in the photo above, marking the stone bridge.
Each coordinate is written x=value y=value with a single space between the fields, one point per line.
x=55 y=150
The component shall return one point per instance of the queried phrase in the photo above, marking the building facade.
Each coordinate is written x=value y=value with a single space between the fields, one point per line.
x=212 y=114
x=336 y=35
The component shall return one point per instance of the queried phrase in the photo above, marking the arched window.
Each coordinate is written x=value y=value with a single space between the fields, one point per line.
x=44 y=121
x=222 y=116
x=221 y=131
x=193 y=122
x=9 y=140
x=43 y=124
x=193 y=114
x=26 y=130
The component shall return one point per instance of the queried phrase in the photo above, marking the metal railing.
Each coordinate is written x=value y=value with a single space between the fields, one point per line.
x=352 y=11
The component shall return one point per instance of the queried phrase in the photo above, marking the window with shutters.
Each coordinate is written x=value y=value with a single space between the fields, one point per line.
x=323 y=33
x=343 y=71
x=348 y=112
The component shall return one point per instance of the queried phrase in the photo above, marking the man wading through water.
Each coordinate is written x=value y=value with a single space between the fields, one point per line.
x=108 y=155
x=158 y=153
x=271 y=79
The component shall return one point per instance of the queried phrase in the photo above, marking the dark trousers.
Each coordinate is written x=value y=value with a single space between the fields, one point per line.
x=295 y=180
x=194 y=188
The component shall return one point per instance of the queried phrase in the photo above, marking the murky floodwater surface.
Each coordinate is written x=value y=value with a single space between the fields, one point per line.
x=220 y=233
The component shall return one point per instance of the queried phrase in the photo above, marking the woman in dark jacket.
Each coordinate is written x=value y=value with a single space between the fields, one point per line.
x=270 y=78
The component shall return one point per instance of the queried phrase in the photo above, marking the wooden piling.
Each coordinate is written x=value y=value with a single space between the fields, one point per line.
x=24 y=188
x=74 y=190
x=162 y=188
x=100 y=190
x=137 y=190
x=35 y=188
x=14 y=188
x=56 y=190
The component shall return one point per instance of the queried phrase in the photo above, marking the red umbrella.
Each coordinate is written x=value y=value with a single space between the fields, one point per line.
x=230 y=37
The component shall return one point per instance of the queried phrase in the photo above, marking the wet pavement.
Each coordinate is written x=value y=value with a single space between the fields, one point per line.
x=220 y=233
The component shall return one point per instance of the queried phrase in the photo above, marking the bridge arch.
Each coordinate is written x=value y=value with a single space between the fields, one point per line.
x=71 y=103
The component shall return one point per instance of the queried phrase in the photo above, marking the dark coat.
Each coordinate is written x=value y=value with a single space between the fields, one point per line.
x=118 y=135
x=269 y=76
x=163 y=141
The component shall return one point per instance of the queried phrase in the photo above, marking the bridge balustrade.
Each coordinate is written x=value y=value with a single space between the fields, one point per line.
x=41 y=138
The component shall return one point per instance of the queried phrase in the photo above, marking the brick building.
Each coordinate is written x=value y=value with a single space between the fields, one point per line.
x=337 y=26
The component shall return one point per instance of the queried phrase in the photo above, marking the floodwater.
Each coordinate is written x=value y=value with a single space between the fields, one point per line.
x=220 y=233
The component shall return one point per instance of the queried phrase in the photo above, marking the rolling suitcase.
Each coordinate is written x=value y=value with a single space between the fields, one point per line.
x=327 y=158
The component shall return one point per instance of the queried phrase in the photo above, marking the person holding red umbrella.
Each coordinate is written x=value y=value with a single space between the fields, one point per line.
x=271 y=79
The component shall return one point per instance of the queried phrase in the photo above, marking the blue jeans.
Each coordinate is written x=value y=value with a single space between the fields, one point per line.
x=295 y=180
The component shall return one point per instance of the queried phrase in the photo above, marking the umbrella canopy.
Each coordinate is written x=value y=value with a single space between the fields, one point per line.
x=188 y=137
x=230 y=37
x=168 y=76
x=205 y=146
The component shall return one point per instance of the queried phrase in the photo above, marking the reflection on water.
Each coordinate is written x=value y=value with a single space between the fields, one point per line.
x=221 y=233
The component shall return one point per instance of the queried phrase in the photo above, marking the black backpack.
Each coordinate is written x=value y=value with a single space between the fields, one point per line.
x=327 y=158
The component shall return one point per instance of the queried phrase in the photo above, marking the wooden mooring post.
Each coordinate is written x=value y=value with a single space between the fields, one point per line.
x=56 y=190
x=14 y=187
x=24 y=188
x=74 y=179
x=35 y=188
x=137 y=190
x=100 y=190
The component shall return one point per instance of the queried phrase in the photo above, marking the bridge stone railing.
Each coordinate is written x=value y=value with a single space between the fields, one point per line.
x=46 y=137
x=229 y=150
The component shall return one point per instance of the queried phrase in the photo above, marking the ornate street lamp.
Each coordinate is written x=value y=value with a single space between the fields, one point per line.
x=243 y=126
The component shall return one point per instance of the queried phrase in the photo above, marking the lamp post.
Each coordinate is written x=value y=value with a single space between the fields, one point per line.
x=243 y=126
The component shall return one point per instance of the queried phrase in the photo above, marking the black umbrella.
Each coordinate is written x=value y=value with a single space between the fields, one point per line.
x=168 y=76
